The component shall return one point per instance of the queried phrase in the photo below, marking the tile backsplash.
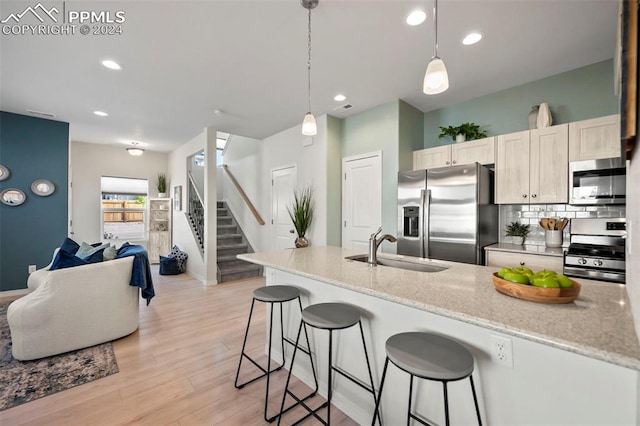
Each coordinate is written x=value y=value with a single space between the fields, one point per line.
x=532 y=213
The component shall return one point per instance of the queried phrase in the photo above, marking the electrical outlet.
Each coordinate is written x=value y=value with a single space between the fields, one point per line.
x=32 y=268
x=501 y=351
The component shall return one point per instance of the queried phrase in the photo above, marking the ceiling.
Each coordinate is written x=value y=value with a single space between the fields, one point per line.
x=184 y=59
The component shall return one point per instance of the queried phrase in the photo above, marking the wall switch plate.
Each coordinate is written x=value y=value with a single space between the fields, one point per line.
x=32 y=268
x=501 y=351
x=307 y=141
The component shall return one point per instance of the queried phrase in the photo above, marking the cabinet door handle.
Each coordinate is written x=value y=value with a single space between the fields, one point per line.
x=454 y=161
x=524 y=195
x=447 y=163
x=521 y=263
x=533 y=195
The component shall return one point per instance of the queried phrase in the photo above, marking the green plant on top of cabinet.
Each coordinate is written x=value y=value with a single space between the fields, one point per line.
x=595 y=138
x=481 y=151
x=465 y=131
x=532 y=166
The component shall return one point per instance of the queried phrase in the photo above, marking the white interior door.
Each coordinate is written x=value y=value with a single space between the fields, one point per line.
x=283 y=183
x=361 y=199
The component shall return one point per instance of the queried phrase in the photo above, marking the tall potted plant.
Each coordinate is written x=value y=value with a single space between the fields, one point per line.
x=301 y=214
x=162 y=185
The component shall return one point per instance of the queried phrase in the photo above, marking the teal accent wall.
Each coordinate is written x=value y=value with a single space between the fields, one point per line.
x=32 y=148
x=334 y=182
x=377 y=130
x=411 y=134
x=574 y=95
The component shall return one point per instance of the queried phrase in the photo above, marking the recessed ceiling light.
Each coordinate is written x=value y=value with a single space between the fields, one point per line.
x=100 y=113
x=472 y=38
x=113 y=65
x=339 y=97
x=416 y=17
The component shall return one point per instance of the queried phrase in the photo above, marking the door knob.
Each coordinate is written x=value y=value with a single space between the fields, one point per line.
x=291 y=231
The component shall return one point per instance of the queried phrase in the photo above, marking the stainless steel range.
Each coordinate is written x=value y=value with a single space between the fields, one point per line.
x=597 y=249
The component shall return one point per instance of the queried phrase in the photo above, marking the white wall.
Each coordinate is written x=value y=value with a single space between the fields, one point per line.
x=285 y=149
x=89 y=162
x=242 y=157
x=182 y=235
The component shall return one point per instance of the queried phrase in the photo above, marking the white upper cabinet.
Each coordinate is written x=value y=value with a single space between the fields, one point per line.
x=532 y=166
x=432 y=158
x=595 y=138
x=512 y=168
x=481 y=151
x=549 y=165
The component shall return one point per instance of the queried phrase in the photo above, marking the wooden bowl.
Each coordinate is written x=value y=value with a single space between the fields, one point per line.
x=537 y=294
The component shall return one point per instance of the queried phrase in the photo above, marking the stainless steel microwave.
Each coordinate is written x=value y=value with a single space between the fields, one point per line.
x=597 y=182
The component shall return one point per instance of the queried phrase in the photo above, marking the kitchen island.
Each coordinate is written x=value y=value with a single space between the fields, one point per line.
x=570 y=364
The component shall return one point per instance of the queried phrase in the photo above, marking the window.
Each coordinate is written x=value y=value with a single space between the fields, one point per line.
x=124 y=205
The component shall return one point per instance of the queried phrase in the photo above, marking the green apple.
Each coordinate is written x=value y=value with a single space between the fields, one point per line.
x=545 y=282
x=564 y=281
x=523 y=270
x=516 y=277
x=502 y=272
x=544 y=274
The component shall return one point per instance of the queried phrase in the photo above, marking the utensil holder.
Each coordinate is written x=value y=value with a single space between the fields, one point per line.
x=553 y=238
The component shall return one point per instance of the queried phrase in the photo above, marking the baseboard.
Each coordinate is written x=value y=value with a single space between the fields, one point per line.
x=13 y=293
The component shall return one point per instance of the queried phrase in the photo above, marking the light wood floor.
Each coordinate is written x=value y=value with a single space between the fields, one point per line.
x=178 y=368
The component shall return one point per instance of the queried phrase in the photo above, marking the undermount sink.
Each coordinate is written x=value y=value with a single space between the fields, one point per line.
x=400 y=263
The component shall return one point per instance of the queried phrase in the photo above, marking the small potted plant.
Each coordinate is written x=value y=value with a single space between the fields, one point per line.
x=463 y=132
x=162 y=185
x=518 y=231
x=301 y=214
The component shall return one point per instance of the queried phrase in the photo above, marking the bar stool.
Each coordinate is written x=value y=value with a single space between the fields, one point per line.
x=274 y=294
x=432 y=357
x=331 y=317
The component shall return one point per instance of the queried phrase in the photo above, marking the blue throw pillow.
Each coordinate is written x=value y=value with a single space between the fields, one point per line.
x=168 y=266
x=66 y=260
x=95 y=257
x=69 y=246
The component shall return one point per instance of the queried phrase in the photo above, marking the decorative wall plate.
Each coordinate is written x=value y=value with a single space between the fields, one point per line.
x=4 y=173
x=43 y=187
x=12 y=197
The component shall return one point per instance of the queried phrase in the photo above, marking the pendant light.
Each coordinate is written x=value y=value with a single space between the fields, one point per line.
x=309 y=127
x=135 y=150
x=436 y=79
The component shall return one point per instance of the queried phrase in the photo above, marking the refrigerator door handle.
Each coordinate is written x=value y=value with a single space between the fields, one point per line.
x=421 y=225
x=426 y=201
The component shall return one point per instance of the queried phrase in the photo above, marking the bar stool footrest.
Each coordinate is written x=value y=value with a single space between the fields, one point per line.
x=310 y=411
x=353 y=379
x=292 y=343
x=264 y=372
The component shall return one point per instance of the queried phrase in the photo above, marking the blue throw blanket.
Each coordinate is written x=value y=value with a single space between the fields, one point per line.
x=141 y=273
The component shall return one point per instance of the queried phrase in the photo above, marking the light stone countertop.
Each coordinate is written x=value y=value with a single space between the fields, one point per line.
x=527 y=249
x=598 y=324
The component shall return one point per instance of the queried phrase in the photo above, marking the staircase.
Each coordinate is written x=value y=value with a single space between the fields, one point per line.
x=231 y=242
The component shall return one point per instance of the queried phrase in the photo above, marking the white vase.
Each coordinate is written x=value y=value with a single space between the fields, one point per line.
x=544 y=116
x=461 y=137
x=533 y=117
x=162 y=195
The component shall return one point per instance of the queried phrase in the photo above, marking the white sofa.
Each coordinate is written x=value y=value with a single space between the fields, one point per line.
x=73 y=308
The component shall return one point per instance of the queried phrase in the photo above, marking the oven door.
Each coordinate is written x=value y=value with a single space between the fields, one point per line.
x=597 y=182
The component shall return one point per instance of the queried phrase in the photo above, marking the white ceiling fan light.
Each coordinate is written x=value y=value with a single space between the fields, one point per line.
x=339 y=97
x=436 y=78
x=472 y=38
x=135 y=150
x=101 y=113
x=309 y=127
x=416 y=17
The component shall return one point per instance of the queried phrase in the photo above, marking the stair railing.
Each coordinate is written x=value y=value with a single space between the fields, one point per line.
x=246 y=199
x=195 y=209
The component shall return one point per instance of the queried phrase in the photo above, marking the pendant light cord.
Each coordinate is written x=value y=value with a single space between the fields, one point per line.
x=309 y=59
x=435 y=19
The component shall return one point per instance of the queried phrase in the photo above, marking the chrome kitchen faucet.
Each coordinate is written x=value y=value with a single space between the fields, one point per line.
x=374 y=243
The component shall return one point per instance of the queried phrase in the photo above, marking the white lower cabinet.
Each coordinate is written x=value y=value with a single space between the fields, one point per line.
x=535 y=262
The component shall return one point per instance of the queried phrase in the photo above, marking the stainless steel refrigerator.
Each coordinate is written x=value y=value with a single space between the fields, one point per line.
x=447 y=213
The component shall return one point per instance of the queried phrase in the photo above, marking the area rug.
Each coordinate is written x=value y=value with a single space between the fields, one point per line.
x=24 y=381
